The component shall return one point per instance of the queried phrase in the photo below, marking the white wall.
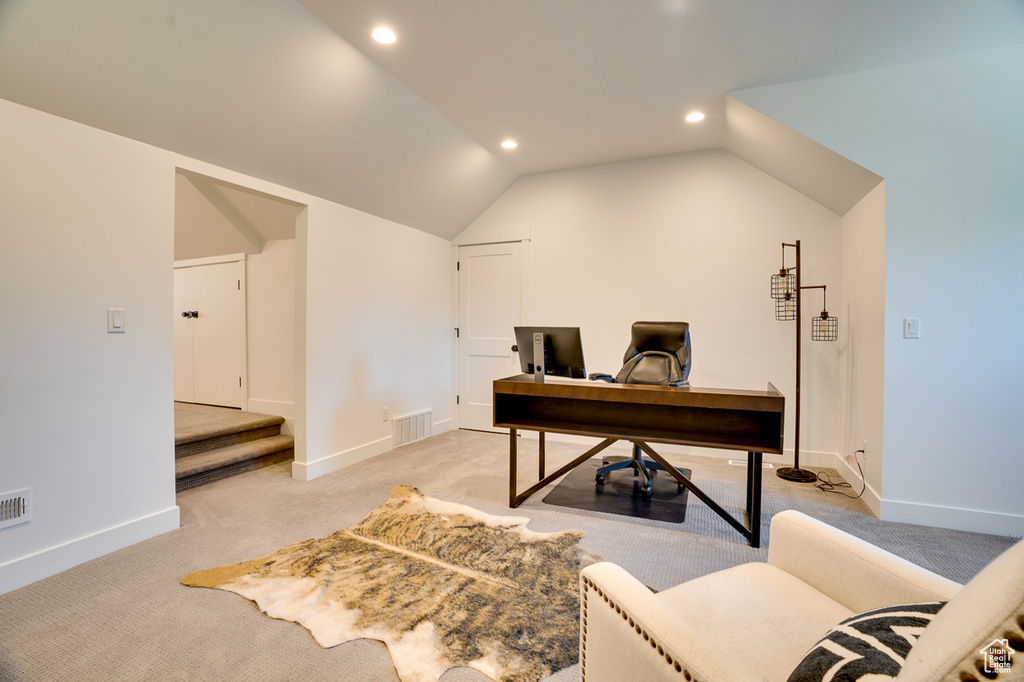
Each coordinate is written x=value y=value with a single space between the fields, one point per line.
x=86 y=417
x=87 y=223
x=862 y=313
x=378 y=334
x=947 y=137
x=692 y=237
x=270 y=332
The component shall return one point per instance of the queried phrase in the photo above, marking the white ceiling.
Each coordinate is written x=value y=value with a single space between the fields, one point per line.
x=298 y=94
x=582 y=82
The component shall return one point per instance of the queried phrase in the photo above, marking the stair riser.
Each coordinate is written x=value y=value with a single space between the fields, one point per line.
x=196 y=480
x=200 y=446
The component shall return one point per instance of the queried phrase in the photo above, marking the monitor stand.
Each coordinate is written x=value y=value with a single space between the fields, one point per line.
x=538 y=357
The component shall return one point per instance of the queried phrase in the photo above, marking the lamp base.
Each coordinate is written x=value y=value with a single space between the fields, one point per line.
x=798 y=475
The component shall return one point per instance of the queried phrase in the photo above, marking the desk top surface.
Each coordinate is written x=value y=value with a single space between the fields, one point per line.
x=769 y=399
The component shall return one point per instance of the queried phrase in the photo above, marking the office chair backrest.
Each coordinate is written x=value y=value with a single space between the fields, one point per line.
x=659 y=353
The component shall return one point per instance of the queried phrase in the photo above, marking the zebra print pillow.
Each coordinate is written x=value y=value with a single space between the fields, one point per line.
x=874 y=643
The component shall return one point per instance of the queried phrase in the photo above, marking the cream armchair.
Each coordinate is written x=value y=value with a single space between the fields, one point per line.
x=758 y=620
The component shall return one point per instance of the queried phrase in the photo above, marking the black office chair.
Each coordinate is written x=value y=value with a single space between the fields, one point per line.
x=659 y=353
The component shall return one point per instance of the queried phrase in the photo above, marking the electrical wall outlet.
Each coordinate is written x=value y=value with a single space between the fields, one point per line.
x=852 y=459
x=384 y=414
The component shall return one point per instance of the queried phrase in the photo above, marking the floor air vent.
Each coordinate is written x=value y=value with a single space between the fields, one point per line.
x=15 y=508
x=411 y=428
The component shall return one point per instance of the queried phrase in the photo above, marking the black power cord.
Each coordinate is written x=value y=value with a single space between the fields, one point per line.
x=826 y=484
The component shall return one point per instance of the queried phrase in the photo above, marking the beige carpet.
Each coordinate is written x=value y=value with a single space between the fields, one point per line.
x=126 y=616
x=441 y=584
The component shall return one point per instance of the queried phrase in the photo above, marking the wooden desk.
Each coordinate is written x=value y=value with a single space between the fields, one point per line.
x=707 y=417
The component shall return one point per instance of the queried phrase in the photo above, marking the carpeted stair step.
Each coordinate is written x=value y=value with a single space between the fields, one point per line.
x=229 y=429
x=212 y=465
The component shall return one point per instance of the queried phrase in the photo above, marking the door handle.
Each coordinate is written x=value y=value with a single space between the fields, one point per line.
x=190 y=313
x=515 y=348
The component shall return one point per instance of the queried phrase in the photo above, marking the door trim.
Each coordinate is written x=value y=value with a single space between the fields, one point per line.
x=492 y=235
x=210 y=260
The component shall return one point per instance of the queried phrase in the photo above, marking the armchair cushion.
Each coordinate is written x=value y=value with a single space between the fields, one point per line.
x=763 y=616
x=868 y=645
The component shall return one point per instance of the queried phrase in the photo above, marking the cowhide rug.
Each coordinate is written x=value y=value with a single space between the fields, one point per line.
x=441 y=584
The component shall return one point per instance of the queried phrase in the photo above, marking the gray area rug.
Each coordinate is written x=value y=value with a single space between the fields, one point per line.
x=125 y=616
x=441 y=584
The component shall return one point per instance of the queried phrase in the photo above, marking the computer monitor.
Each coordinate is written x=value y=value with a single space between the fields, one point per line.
x=562 y=354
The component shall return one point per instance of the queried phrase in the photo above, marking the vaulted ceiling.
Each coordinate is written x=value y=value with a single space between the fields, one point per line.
x=299 y=94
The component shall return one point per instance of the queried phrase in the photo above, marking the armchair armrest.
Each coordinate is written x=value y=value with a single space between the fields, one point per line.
x=627 y=633
x=855 y=573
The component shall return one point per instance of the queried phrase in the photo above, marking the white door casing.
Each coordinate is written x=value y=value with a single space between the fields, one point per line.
x=490 y=306
x=184 y=386
x=209 y=350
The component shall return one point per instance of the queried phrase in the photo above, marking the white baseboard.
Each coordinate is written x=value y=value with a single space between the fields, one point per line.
x=307 y=471
x=853 y=477
x=973 y=520
x=44 y=563
x=279 y=408
x=811 y=458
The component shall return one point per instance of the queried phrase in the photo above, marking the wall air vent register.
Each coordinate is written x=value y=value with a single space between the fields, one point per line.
x=15 y=508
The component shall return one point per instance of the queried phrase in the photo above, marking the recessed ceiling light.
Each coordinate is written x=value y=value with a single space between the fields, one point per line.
x=384 y=35
x=694 y=116
x=509 y=144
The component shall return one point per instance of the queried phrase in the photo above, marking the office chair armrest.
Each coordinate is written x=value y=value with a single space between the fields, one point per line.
x=855 y=573
x=628 y=633
x=603 y=377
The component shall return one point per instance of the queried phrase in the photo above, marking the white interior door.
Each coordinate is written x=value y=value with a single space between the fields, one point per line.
x=490 y=305
x=216 y=334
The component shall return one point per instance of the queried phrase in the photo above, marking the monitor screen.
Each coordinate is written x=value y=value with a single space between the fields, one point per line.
x=563 y=351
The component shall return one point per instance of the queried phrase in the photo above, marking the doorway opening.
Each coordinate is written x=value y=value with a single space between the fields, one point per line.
x=235 y=265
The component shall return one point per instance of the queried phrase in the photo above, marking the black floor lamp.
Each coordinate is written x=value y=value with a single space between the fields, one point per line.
x=786 y=289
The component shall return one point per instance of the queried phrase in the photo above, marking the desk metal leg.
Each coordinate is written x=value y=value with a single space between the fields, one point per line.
x=752 y=531
x=750 y=482
x=541 y=456
x=514 y=499
x=754 y=495
x=512 y=467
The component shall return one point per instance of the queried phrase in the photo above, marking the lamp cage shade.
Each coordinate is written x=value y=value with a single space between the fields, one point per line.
x=825 y=327
x=785 y=307
x=783 y=285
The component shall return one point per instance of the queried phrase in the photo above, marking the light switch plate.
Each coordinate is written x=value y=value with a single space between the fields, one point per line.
x=911 y=327
x=115 y=320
